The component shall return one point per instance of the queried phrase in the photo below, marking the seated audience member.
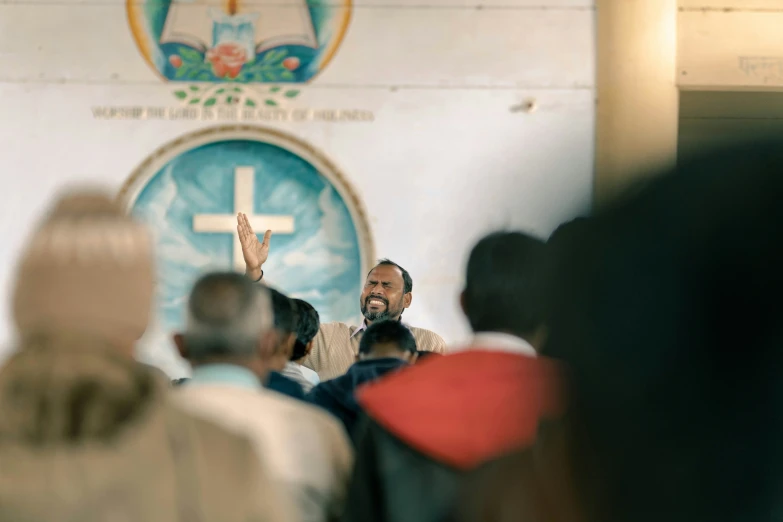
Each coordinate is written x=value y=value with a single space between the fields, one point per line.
x=385 y=347
x=228 y=340
x=437 y=420
x=387 y=292
x=668 y=316
x=86 y=432
x=306 y=328
x=285 y=338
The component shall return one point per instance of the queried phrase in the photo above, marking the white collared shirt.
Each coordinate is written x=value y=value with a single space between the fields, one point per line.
x=499 y=342
x=363 y=327
x=359 y=329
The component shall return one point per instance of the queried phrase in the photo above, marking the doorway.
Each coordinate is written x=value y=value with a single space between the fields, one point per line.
x=710 y=119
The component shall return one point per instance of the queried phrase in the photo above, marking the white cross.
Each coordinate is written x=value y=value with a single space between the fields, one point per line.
x=243 y=202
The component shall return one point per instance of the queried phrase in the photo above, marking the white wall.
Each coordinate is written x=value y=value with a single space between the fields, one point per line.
x=446 y=159
x=730 y=45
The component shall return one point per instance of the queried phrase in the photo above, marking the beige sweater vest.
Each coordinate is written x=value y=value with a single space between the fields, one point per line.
x=334 y=350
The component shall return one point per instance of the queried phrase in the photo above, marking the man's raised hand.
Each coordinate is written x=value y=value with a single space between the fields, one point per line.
x=254 y=251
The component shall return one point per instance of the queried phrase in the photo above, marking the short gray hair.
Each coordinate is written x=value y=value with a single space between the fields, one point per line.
x=227 y=315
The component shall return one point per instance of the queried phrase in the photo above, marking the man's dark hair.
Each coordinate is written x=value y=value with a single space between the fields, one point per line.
x=387 y=332
x=306 y=327
x=285 y=312
x=568 y=230
x=502 y=290
x=563 y=235
x=407 y=282
x=668 y=315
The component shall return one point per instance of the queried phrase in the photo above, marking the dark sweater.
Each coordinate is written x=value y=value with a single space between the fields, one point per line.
x=337 y=395
x=282 y=384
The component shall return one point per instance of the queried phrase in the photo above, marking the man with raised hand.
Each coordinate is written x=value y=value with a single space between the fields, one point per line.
x=386 y=294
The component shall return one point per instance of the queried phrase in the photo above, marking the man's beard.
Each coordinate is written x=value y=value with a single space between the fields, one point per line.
x=385 y=314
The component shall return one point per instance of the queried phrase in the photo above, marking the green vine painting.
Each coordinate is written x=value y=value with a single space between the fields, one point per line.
x=208 y=95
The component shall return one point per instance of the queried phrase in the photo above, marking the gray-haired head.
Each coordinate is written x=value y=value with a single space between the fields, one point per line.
x=227 y=316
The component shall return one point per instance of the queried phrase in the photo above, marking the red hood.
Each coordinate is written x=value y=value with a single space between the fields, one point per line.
x=466 y=408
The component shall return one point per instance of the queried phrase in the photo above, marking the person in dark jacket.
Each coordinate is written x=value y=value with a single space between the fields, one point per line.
x=667 y=313
x=425 y=428
x=386 y=346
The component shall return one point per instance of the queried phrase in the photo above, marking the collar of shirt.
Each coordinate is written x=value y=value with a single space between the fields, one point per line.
x=496 y=341
x=360 y=329
x=225 y=374
x=363 y=327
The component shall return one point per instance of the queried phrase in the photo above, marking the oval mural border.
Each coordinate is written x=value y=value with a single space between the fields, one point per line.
x=142 y=174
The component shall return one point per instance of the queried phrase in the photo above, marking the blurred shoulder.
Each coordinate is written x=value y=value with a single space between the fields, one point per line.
x=295 y=408
x=427 y=340
x=336 y=328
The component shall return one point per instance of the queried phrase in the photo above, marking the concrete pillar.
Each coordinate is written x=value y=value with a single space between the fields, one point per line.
x=638 y=101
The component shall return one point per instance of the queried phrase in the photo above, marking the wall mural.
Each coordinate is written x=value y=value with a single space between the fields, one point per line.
x=189 y=193
x=235 y=40
x=238 y=42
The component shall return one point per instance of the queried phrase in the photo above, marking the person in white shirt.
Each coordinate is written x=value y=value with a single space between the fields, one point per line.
x=307 y=325
x=229 y=340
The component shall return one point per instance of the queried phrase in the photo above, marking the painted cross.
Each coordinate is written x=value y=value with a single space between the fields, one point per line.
x=243 y=202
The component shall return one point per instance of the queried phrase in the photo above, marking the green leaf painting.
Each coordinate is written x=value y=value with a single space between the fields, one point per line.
x=190 y=55
x=232 y=94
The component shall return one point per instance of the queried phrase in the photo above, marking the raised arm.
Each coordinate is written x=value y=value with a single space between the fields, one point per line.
x=254 y=251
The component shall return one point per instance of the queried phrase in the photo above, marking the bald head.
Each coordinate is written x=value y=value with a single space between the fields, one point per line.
x=227 y=317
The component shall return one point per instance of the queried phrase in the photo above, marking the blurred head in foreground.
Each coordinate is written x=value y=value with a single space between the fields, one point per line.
x=502 y=292
x=387 y=339
x=82 y=298
x=87 y=270
x=229 y=321
x=667 y=309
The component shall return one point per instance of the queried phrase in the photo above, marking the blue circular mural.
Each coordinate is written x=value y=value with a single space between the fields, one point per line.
x=189 y=193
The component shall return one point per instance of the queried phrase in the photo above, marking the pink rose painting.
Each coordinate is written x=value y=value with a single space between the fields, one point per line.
x=227 y=59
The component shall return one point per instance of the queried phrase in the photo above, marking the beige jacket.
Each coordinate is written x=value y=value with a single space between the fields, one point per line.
x=153 y=463
x=306 y=450
x=335 y=348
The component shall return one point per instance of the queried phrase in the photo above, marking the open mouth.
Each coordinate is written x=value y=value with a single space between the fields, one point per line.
x=374 y=302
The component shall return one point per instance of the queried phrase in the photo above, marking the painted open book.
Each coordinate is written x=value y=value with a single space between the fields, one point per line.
x=256 y=28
